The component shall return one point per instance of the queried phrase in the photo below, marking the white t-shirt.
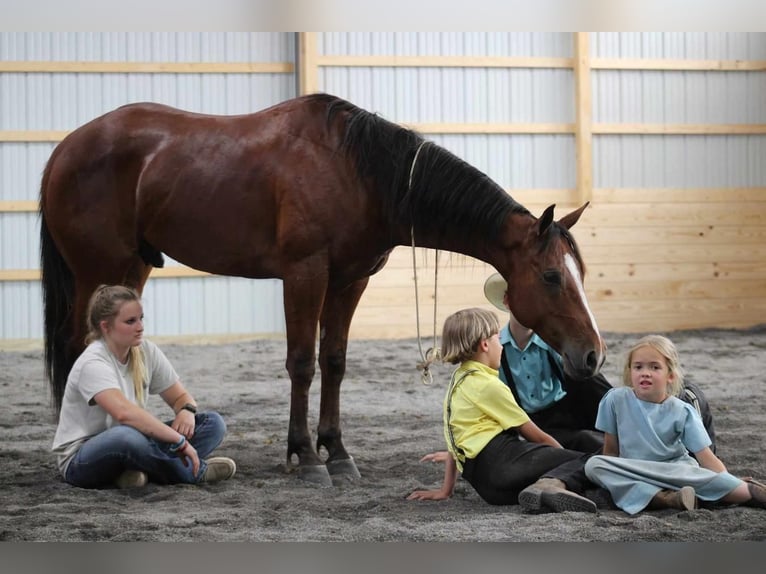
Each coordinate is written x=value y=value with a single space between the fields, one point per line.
x=96 y=370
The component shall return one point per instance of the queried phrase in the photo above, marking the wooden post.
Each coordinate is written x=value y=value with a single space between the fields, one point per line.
x=308 y=76
x=584 y=117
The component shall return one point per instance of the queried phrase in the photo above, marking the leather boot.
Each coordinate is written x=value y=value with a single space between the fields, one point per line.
x=684 y=499
x=757 y=492
x=552 y=494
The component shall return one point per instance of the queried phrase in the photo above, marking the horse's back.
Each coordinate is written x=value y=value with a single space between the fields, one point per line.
x=199 y=187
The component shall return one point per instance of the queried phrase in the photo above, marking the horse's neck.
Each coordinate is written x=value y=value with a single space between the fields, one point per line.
x=477 y=243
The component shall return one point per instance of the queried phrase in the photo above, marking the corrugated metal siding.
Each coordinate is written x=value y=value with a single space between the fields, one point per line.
x=63 y=101
x=679 y=161
x=468 y=95
x=402 y=94
x=679 y=97
x=691 y=45
x=540 y=44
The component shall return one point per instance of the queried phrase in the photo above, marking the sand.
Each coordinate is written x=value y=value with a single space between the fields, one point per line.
x=390 y=418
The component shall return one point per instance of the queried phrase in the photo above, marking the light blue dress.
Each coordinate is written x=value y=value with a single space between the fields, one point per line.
x=653 y=441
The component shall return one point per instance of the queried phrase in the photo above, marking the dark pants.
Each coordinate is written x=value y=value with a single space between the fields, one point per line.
x=569 y=421
x=508 y=464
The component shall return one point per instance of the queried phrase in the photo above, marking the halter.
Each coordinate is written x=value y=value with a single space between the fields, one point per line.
x=433 y=353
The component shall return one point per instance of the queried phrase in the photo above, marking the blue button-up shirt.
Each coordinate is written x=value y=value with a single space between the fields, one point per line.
x=537 y=386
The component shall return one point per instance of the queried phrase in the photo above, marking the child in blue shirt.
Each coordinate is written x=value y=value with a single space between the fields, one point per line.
x=649 y=434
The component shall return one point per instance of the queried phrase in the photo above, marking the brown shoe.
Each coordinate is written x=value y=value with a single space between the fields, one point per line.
x=684 y=499
x=552 y=494
x=757 y=492
x=218 y=468
x=131 y=479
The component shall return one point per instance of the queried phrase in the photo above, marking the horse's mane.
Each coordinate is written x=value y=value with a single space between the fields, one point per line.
x=448 y=196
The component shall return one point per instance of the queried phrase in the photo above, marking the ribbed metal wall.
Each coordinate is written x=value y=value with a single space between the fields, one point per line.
x=45 y=101
x=683 y=97
x=63 y=101
x=482 y=95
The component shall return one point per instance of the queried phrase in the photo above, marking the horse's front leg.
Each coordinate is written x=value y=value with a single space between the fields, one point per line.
x=303 y=299
x=335 y=321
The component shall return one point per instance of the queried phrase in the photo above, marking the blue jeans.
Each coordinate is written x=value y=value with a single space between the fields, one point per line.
x=104 y=457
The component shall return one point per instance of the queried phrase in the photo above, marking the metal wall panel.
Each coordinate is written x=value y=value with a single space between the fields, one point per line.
x=468 y=95
x=679 y=161
x=626 y=96
x=540 y=44
x=408 y=95
x=681 y=45
x=679 y=97
x=63 y=101
x=20 y=316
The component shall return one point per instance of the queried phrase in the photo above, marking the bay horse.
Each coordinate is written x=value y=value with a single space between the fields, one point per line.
x=315 y=191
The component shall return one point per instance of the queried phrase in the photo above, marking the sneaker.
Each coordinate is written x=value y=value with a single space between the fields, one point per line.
x=218 y=468
x=551 y=494
x=131 y=479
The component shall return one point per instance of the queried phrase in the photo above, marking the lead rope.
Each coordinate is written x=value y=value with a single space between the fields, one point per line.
x=432 y=354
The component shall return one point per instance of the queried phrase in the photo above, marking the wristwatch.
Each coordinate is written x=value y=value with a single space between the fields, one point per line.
x=189 y=407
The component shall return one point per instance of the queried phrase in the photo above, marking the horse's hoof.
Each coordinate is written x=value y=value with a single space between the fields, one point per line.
x=315 y=474
x=345 y=467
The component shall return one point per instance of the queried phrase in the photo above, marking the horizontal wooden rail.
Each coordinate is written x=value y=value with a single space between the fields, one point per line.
x=32 y=136
x=678 y=65
x=165 y=272
x=679 y=129
x=442 y=62
x=37 y=136
x=53 y=67
x=494 y=128
x=14 y=206
x=565 y=197
x=649 y=64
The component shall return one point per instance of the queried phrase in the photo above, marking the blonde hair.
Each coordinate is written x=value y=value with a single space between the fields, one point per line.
x=464 y=330
x=667 y=349
x=105 y=305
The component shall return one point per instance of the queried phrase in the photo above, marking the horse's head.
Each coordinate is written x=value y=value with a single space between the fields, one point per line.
x=545 y=274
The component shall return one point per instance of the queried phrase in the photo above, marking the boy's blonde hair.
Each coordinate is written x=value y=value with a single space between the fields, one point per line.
x=464 y=330
x=667 y=349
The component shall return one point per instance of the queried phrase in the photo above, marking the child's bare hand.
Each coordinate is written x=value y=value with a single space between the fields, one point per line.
x=439 y=456
x=428 y=495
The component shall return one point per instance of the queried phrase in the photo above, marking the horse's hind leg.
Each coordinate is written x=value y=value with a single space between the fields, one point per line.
x=133 y=272
x=335 y=322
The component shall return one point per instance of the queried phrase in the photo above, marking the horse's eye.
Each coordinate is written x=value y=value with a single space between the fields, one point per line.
x=552 y=277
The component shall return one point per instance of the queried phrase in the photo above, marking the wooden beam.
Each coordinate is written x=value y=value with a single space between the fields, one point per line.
x=656 y=64
x=679 y=129
x=308 y=74
x=486 y=128
x=18 y=206
x=583 y=117
x=567 y=198
x=32 y=135
x=52 y=67
x=394 y=61
x=165 y=272
x=678 y=65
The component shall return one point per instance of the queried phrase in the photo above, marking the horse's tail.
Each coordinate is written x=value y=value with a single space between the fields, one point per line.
x=58 y=297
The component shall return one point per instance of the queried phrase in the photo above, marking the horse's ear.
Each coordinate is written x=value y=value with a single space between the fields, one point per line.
x=570 y=219
x=545 y=220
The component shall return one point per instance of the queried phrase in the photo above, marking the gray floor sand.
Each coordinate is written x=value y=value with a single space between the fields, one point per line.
x=389 y=420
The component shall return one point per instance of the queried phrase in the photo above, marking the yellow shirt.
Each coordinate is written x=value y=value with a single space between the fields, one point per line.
x=477 y=407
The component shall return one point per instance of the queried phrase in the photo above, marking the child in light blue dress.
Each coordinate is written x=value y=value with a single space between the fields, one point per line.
x=649 y=433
